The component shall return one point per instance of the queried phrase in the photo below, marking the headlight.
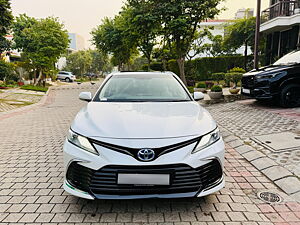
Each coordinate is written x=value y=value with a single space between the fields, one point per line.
x=208 y=140
x=269 y=76
x=81 y=142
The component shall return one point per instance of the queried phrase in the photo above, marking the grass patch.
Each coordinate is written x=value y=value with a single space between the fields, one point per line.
x=34 y=88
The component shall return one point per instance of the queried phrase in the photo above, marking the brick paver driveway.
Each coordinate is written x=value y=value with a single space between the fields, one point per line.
x=31 y=175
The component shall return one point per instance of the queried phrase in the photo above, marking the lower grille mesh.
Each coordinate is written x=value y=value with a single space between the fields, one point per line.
x=183 y=179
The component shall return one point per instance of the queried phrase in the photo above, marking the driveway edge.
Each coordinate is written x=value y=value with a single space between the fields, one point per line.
x=280 y=176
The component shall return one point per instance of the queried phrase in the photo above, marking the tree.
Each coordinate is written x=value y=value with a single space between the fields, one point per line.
x=180 y=20
x=112 y=37
x=79 y=62
x=198 y=46
x=100 y=62
x=42 y=42
x=21 y=23
x=241 y=33
x=143 y=25
x=6 y=20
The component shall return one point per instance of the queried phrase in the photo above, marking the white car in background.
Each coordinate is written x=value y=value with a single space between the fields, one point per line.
x=66 y=76
x=143 y=135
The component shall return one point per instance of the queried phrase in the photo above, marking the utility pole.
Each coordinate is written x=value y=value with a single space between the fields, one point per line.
x=257 y=31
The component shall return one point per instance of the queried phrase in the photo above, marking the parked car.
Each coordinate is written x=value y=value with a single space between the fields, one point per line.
x=279 y=82
x=66 y=76
x=143 y=135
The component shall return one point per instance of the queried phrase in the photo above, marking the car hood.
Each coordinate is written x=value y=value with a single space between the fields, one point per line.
x=267 y=70
x=143 y=120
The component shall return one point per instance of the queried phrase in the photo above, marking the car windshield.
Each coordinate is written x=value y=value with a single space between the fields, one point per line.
x=291 y=58
x=142 y=88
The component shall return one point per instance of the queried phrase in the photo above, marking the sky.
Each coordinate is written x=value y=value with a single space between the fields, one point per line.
x=81 y=16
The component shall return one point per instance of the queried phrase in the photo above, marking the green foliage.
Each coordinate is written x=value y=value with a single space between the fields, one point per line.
x=173 y=66
x=233 y=77
x=237 y=70
x=180 y=20
x=143 y=25
x=112 y=37
x=156 y=66
x=191 y=89
x=6 y=71
x=21 y=23
x=206 y=66
x=79 y=62
x=42 y=42
x=216 y=88
x=218 y=77
x=100 y=62
x=34 y=88
x=201 y=85
x=240 y=32
x=6 y=19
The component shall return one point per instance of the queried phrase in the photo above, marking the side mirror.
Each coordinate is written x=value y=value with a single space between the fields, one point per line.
x=85 y=96
x=198 y=96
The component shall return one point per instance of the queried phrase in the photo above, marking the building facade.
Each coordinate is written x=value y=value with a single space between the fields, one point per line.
x=244 y=13
x=76 y=42
x=281 y=26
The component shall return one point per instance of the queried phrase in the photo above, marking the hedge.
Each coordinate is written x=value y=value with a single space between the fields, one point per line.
x=202 y=68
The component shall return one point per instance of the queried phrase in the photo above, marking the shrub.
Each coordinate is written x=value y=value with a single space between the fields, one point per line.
x=218 y=77
x=11 y=82
x=237 y=70
x=156 y=66
x=209 y=84
x=233 y=77
x=201 y=85
x=6 y=71
x=191 y=89
x=34 y=88
x=216 y=88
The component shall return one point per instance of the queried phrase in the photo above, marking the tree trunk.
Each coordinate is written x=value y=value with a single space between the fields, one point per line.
x=34 y=76
x=39 y=78
x=164 y=61
x=149 y=63
x=246 y=55
x=181 y=69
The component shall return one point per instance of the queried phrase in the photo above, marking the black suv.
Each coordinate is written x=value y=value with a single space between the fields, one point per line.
x=279 y=82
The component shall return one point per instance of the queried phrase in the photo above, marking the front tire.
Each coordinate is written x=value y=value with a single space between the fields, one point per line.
x=290 y=96
x=68 y=80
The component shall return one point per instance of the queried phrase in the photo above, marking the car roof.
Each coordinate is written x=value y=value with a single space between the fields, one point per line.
x=164 y=73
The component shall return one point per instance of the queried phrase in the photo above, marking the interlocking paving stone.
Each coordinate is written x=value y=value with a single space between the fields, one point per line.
x=290 y=185
x=252 y=155
x=31 y=168
x=276 y=172
x=263 y=163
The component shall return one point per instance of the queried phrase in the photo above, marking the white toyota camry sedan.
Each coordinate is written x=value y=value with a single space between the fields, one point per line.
x=143 y=135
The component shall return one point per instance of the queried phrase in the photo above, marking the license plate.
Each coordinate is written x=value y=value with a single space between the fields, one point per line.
x=144 y=179
x=246 y=91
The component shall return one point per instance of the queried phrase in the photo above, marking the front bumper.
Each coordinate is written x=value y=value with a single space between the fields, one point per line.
x=258 y=93
x=108 y=159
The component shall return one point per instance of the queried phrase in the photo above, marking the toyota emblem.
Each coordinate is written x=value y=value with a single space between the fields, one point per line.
x=146 y=155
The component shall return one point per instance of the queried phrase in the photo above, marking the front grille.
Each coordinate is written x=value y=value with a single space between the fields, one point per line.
x=248 y=81
x=79 y=176
x=134 y=151
x=183 y=178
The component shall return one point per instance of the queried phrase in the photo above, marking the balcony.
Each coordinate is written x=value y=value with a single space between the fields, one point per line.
x=281 y=14
x=280 y=9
